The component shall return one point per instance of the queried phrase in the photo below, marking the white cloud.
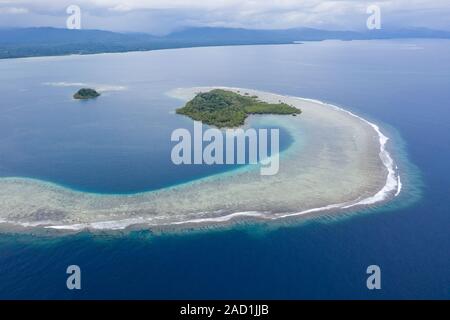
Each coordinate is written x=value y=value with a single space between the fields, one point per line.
x=13 y=10
x=150 y=15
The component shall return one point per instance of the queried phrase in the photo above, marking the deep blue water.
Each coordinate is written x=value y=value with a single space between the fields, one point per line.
x=402 y=85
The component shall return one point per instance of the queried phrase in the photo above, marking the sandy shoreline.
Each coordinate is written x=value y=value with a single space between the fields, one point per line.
x=338 y=163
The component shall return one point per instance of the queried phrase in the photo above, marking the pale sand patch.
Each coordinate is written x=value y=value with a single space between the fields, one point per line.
x=334 y=162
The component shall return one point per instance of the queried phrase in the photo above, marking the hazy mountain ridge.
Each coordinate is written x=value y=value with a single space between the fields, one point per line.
x=28 y=42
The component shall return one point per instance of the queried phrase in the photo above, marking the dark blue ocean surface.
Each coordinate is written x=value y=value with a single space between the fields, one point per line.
x=401 y=85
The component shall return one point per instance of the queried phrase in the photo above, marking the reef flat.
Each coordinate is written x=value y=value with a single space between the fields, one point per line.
x=337 y=161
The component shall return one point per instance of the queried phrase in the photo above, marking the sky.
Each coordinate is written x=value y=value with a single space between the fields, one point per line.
x=163 y=16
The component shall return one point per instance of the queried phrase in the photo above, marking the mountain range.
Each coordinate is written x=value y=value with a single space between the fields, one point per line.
x=46 y=41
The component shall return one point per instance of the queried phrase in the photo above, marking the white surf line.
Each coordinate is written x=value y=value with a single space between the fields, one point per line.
x=399 y=183
x=122 y=224
x=65 y=84
x=254 y=214
x=393 y=182
x=101 y=225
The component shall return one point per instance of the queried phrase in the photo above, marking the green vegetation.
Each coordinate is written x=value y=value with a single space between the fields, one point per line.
x=86 y=93
x=223 y=108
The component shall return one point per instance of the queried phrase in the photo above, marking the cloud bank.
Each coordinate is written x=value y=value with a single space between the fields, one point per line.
x=160 y=16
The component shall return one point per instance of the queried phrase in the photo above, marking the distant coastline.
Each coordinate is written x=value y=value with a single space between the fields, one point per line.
x=45 y=41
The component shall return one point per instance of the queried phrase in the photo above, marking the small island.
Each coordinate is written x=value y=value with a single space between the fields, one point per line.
x=86 y=93
x=222 y=108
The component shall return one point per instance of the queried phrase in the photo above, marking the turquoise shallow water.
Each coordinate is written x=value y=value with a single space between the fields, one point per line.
x=402 y=89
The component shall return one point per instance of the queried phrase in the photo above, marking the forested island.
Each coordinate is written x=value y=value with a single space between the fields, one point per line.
x=222 y=108
x=86 y=93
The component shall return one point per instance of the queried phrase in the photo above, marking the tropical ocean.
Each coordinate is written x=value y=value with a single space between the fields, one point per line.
x=114 y=146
